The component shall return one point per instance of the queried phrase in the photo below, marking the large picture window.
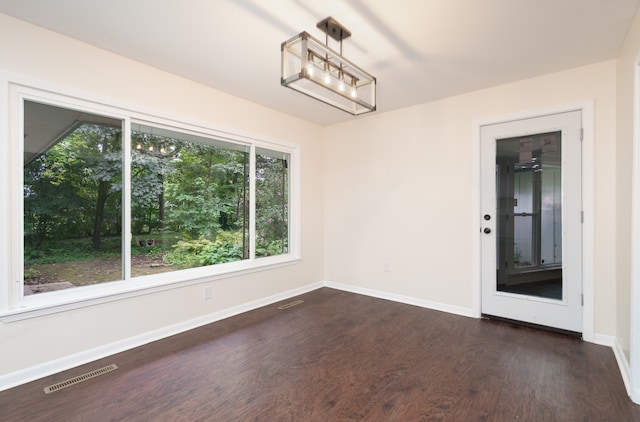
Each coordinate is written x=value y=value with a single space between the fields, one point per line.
x=105 y=205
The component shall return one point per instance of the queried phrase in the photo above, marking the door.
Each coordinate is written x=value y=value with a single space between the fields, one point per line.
x=531 y=220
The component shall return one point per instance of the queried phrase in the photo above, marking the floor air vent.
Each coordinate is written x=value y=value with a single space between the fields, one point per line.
x=291 y=304
x=76 y=380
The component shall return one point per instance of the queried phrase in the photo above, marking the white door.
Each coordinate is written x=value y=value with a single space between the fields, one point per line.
x=531 y=220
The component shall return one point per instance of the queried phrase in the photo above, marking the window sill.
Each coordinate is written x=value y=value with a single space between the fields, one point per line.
x=65 y=300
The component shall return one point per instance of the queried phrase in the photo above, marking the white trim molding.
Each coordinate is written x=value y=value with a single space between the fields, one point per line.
x=428 y=304
x=623 y=363
x=634 y=364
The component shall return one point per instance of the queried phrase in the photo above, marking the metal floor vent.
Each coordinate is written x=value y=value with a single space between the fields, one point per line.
x=291 y=304
x=78 y=379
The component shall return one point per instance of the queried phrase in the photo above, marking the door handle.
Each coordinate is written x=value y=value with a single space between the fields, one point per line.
x=487 y=230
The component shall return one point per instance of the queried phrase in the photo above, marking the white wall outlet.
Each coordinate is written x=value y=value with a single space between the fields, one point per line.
x=207 y=293
x=386 y=267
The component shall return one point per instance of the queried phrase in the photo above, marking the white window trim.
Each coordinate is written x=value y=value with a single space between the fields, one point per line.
x=14 y=306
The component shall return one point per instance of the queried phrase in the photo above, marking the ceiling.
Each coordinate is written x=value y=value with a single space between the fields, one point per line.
x=419 y=50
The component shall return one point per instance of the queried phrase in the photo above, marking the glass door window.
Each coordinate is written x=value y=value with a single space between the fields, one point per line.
x=529 y=186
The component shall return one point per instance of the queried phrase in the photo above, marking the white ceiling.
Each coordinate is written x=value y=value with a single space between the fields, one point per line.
x=419 y=50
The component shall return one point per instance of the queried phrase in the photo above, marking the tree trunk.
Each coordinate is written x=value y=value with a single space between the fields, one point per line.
x=103 y=192
x=161 y=204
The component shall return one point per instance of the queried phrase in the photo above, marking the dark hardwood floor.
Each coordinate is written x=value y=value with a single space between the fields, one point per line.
x=342 y=357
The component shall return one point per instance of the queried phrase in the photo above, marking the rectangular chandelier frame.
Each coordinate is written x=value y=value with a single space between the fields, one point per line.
x=314 y=69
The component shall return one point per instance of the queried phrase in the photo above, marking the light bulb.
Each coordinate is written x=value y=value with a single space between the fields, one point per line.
x=310 y=68
x=150 y=147
x=327 y=78
x=139 y=146
x=341 y=86
x=354 y=92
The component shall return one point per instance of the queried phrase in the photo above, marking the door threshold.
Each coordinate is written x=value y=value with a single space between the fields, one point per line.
x=569 y=333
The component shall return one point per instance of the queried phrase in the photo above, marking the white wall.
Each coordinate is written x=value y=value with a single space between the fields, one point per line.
x=36 y=54
x=627 y=59
x=399 y=188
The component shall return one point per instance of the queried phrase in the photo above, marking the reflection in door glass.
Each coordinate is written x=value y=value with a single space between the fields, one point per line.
x=529 y=186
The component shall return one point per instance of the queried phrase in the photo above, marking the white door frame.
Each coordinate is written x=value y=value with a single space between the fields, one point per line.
x=587 y=109
x=634 y=358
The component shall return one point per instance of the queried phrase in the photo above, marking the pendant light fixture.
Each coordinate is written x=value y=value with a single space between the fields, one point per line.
x=314 y=69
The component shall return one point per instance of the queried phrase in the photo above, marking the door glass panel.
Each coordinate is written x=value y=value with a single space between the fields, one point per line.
x=529 y=186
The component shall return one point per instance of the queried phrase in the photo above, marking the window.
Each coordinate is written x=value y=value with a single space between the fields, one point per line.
x=272 y=203
x=189 y=201
x=113 y=207
x=72 y=182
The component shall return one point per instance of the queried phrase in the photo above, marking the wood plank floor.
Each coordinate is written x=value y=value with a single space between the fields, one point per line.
x=342 y=357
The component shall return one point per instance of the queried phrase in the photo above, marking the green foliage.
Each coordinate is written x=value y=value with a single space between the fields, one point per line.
x=31 y=273
x=67 y=250
x=155 y=252
x=200 y=252
x=271 y=248
x=147 y=190
x=69 y=190
x=186 y=187
x=202 y=194
x=189 y=253
x=272 y=206
x=195 y=212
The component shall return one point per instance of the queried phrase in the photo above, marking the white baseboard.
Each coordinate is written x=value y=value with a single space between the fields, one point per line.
x=402 y=299
x=604 y=340
x=33 y=373
x=623 y=364
x=621 y=359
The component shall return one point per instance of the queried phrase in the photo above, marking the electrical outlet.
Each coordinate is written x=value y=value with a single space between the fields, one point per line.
x=207 y=293
x=386 y=267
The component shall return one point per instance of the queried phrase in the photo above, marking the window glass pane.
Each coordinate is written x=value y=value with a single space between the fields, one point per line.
x=529 y=251
x=190 y=201
x=272 y=203
x=72 y=198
